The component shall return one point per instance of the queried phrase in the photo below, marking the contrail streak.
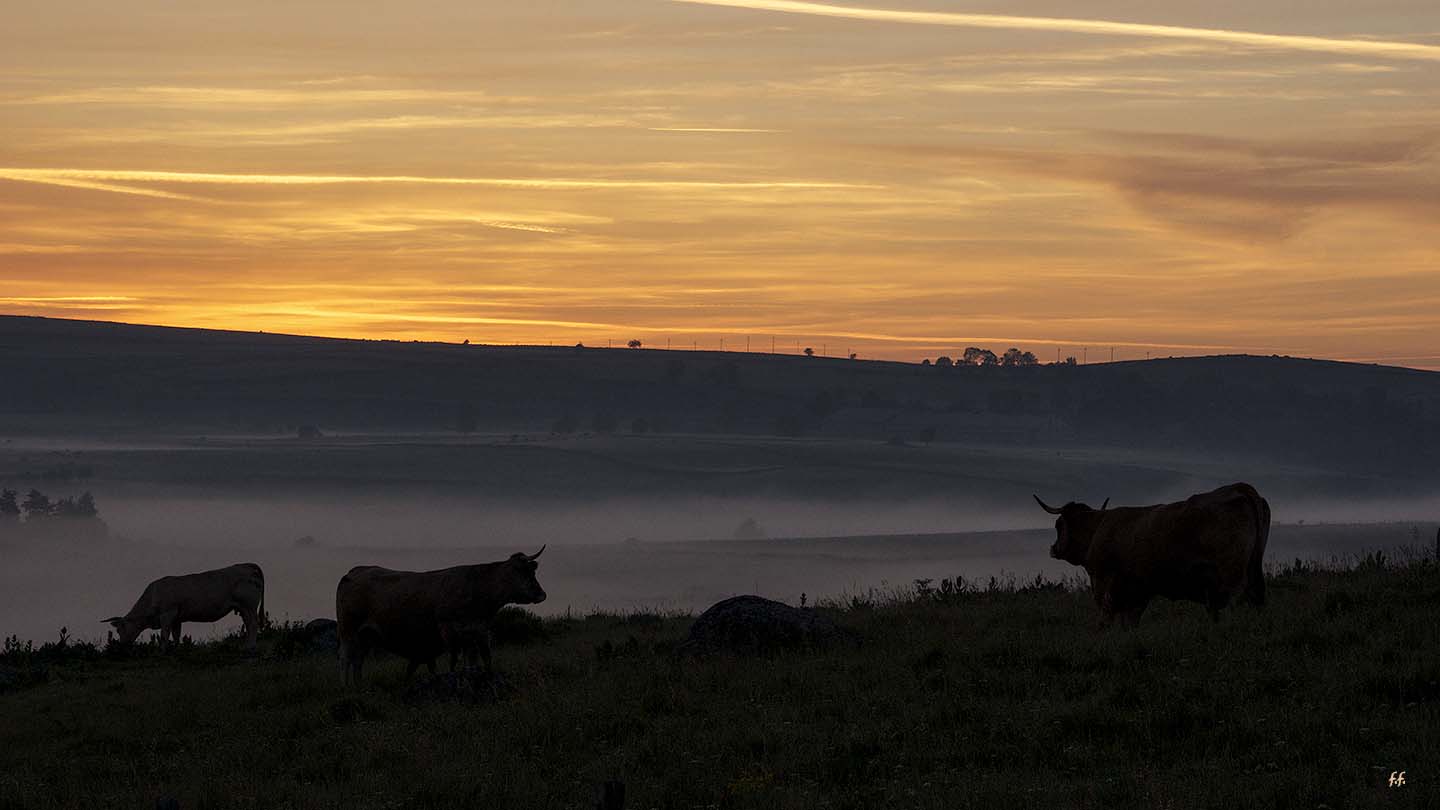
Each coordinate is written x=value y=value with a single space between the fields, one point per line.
x=1354 y=47
x=95 y=178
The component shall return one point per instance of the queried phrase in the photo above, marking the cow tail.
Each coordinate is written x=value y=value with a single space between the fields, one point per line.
x=1255 y=575
x=260 y=608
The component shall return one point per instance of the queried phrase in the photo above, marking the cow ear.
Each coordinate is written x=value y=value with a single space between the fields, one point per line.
x=113 y=620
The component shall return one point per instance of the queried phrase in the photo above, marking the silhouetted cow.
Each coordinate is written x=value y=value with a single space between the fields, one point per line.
x=419 y=615
x=208 y=596
x=1208 y=548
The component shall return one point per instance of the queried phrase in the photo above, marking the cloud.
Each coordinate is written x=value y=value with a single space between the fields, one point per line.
x=1356 y=47
x=1236 y=187
x=105 y=180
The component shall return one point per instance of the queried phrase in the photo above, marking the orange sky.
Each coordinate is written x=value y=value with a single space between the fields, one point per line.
x=900 y=179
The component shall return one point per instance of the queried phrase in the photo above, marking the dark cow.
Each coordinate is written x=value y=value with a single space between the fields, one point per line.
x=1208 y=548
x=208 y=596
x=419 y=615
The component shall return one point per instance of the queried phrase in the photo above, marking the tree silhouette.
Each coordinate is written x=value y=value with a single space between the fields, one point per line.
x=37 y=504
x=809 y=352
x=972 y=355
x=988 y=358
x=9 y=506
x=1029 y=359
x=943 y=362
x=1011 y=357
x=634 y=343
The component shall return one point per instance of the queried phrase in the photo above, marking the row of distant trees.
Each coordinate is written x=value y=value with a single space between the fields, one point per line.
x=976 y=356
x=37 y=506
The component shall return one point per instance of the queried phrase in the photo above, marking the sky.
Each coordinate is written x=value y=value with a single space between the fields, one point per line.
x=897 y=179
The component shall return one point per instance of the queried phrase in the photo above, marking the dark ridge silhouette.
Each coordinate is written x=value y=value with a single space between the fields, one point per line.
x=81 y=378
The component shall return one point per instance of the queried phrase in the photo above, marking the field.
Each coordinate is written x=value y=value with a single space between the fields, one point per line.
x=990 y=697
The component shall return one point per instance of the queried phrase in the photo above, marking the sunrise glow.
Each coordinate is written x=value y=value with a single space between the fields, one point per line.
x=896 y=179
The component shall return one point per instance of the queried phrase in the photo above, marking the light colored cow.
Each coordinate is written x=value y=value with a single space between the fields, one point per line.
x=418 y=615
x=208 y=596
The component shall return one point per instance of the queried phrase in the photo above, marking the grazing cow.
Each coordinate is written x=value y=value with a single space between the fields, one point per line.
x=208 y=596
x=1208 y=548
x=419 y=615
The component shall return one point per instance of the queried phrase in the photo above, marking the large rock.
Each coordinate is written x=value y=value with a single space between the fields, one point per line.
x=319 y=635
x=753 y=624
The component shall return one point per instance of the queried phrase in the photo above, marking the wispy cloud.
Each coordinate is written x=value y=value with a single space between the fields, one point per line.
x=1358 y=47
x=104 y=180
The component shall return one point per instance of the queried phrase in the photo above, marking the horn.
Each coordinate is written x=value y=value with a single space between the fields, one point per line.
x=537 y=554
x=1105 y=504
x=111 y=620
x=1047 y=507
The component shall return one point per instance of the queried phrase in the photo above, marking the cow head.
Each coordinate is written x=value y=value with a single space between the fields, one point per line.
x=521 y=586
x=1074 y=528
x=126 y=628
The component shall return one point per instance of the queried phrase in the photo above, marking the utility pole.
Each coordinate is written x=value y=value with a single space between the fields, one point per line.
x=1084 y=355
x=747 y=344
x=1112 y=354
x=772 y=344
x=722 y=344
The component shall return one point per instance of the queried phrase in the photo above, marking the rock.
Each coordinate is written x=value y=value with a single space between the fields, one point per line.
x=754 y=624
x=320 y=635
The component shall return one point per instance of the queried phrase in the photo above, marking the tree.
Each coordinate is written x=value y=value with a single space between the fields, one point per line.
x=943 y=362
x=1029 y=359
x=809 y=352
x=37 y=504
x=972 y=355
x=634 y=343
x=1071 y=361
x=86 y=505
x=1011 y=357
x=9 y=506
x=852 y=355
x=988 y=358
x=925 y=362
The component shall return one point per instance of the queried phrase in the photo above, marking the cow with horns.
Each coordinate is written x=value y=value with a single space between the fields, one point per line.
x=1208 y=548
x=418 y=615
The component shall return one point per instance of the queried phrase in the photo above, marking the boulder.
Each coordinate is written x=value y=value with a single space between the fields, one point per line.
x=753 y=624
x=320 y=635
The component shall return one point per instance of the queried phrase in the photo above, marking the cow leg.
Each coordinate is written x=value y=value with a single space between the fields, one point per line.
x=482 y=643
x=175 y=633
x=252 y=627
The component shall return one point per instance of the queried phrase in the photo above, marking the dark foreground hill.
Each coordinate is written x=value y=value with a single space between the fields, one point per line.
x=76 y=378
x=992 y=697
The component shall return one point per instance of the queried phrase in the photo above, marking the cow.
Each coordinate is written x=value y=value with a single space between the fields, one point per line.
x=208 y=596
x=419 y=615
x=1208 y=548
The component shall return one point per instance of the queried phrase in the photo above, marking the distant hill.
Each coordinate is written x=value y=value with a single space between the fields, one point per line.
x=76 y=378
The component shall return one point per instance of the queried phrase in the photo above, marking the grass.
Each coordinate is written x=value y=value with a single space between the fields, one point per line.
x=986 y=696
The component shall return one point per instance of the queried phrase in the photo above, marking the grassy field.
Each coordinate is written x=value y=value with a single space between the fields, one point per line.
x=988 y=697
